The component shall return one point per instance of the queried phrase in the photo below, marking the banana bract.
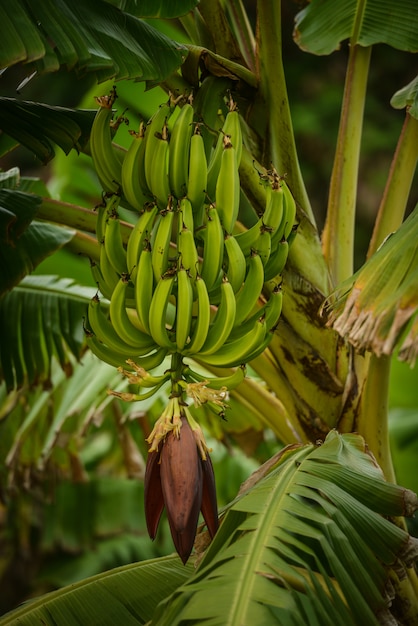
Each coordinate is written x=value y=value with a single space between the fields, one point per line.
x=191 y=284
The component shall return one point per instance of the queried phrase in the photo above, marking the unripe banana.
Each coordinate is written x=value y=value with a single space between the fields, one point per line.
x=158 y=178
x=213 y=250
x=144 y=287
x=250 y=291
x=223 y=322
x=106 y=164
x=200 y=328
x=99 y=280
x=131 y=165
x=114 y=244
x=263 y=246
x=179 y=151
x=196 y=188
x=277 y=261
x=112 y=357
x=274 y=212
x=273 y=308
x=231 y=129
x=107 y=207
x=218 y=382
x=290 y=210
x=184 y=308
x=141 y=232
x=238 y=351
x=158 y=311
x=185 y=217
x=110 y=276
x=152 y=138
x=141 y=342
x=104 y=331
x=235 y=263
x=161 y=243
x=188 y=256
x=228 y=187
x=247 y=239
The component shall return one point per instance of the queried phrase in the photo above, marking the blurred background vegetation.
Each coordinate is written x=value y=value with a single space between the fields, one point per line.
x=81 y=512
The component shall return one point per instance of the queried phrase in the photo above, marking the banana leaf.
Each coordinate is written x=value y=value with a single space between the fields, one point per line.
x=323 y=24
x=41 y=318
x=155 y=8
x=126 y=595
x=309 y=543
x=90 y=36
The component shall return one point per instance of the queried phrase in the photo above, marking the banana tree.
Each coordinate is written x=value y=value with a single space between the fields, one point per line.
x=214 y=288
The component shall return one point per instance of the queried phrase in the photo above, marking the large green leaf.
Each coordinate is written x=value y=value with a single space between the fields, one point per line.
x=310 y=543
x=323 y=24
x=40 y=318
x=126 y=595
x=24 y=243
x=156 y=8
x=89 y=36
x=38 y=126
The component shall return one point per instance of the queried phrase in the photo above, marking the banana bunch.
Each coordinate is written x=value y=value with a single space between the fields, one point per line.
x=187 y=283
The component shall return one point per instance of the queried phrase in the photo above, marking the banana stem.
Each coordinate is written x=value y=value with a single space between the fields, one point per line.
x=372 y=422
x=338 y=235
x=242 y=30
x=395 y=196
x=218 y=26
x=282 y=148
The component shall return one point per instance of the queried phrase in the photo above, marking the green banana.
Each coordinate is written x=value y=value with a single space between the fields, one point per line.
x=130 y=175
x=106 y=163
x=277 y=261
x=184 y=308
x=274 y=211
x=152 y=138
x=158 y=311
x=263 y=246
x=238 y=351
x=273 y=308
x=227 y=192
x=114 y=245
x=290 y=210
x=112 y=357
x=223 y=321
x=161 y=243
x=141 y=342
x=109 y=206
x=250 y=291
x=247 y=239
x=141 y=231
x=231 y=381
x=200 y=328
x=103 y=352
x=213 y=251
x=185 y=214
x=144 y=286
x=196 y=188
x=231 y=129
x=99 y=280
x=188 y=256
x=235 y=263
x=104 y=331
x=110 y=276
x=179 y=150
x=158 y=177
